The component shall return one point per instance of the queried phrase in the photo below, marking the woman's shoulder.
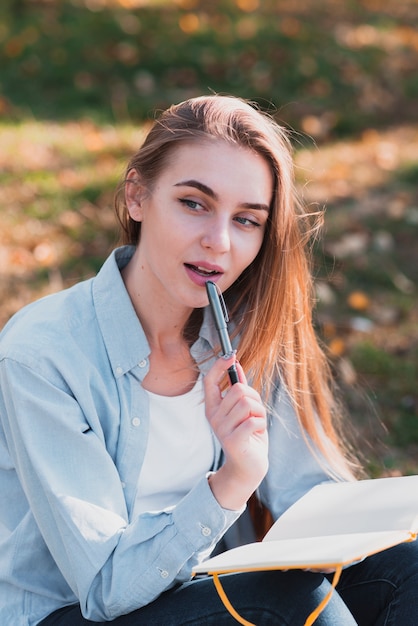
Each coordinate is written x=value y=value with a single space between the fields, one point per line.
x=59 y=314
x=49 y=322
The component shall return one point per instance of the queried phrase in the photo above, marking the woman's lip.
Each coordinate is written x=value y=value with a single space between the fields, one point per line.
x=197 y=278
x=206 y=267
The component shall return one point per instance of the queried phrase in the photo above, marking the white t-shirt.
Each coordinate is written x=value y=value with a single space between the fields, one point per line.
x=179 y=452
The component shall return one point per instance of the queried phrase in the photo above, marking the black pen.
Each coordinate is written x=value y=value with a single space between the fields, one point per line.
x=220 y=315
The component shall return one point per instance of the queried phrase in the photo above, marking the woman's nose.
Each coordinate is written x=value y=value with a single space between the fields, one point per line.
x=217 y=236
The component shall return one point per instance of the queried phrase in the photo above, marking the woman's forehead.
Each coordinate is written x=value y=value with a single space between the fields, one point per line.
x=220 y=164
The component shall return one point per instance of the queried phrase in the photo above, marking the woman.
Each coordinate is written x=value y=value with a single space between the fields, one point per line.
x=125 y=456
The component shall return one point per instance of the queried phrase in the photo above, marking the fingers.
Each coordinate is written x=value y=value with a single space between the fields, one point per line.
x=238 y=411
x=241 y=374
x=213 y=381
x=238 y=419
x=319 y=570
x=228 y=410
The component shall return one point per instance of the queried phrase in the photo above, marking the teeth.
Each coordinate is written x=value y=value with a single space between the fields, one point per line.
x=205 y=271
x=202 y=270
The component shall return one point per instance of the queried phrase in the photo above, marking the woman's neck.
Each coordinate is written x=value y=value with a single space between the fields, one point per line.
x=171 y=373
x=172 y=370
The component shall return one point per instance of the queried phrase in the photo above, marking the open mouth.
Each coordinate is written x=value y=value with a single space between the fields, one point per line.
x=202 y=271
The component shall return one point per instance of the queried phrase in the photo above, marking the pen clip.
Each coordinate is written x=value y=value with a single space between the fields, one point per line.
x=222 y=303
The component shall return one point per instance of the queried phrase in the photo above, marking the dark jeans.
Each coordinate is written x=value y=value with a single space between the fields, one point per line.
x=380 y=591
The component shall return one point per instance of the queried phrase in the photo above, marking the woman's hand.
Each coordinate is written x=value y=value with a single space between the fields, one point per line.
x=238 y=419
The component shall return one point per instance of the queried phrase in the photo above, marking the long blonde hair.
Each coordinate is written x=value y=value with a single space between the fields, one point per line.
x=272 y=300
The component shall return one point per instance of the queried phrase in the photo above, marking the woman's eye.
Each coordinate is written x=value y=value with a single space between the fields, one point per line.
x=191 y=204
x=246 y=221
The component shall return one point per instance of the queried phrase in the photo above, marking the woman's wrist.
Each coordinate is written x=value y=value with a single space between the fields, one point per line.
x=231 y=492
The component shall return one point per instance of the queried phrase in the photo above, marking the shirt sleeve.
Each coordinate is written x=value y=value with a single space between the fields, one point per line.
x=75 y=495
x=295 y=464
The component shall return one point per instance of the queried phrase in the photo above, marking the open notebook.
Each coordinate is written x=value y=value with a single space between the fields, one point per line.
x=332 y=526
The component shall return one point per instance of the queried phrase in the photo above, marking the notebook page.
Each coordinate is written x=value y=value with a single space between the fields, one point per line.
x=375 y=505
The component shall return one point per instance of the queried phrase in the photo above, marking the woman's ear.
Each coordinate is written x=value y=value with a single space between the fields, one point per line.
x=134 y=191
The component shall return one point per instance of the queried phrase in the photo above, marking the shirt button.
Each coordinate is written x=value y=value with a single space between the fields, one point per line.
x=119 y=371
x=163 y=573
x=142 y=363
x=206 y=531
x=136 y=421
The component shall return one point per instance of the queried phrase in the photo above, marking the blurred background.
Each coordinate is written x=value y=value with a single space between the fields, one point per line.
x=80 y=80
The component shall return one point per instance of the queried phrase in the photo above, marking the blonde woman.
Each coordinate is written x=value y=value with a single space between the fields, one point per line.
x=125 y=455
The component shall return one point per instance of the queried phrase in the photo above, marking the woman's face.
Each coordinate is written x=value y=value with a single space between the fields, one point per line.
x=204 y=218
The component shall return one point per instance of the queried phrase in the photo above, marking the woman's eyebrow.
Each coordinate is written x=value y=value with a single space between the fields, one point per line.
x=200 y=186
x=257 y=206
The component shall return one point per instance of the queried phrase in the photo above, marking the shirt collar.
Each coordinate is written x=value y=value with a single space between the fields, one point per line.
x=122 y=332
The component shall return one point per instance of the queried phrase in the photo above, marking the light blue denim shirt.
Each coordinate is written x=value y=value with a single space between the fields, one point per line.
x=73 y=433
